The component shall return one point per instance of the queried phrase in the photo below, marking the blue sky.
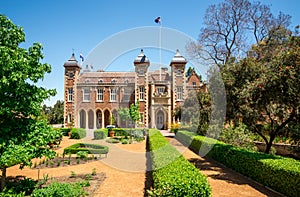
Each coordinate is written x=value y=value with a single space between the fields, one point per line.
x=64 y=25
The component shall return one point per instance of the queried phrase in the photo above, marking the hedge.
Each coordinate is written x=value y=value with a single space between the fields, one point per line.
x=279 y=173
x=172 y=174
x=100 y=134
x=77 y=133
x=90 y=148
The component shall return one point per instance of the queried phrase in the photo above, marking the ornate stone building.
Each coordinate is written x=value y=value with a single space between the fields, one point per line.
x=92 y=98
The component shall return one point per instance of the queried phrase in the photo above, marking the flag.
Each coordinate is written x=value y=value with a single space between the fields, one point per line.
x=81 y=57
x=157 y=20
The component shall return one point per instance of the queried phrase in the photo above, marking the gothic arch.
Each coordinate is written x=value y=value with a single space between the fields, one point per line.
x=107 y=117
x=99 y=118
x=90 y=119
x=82 y=118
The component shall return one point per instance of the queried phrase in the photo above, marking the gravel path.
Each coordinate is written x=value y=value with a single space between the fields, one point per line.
x=224 y=181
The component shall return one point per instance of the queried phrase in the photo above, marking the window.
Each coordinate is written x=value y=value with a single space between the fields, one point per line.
x=86 y=94
x=194 y=83
x=100 y=81
x=160 y=89
x=113 y=95
x=179 y=93
x=69 y=118
x=126 y=96
x=70 y=94
x=142 y=92
x=100 y=95
x=113 y=81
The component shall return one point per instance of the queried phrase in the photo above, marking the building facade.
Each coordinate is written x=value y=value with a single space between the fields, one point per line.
x=92 y=98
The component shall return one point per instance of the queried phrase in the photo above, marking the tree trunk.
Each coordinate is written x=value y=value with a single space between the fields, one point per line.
x=270 y=143
x=3 y=178
x=268 y=147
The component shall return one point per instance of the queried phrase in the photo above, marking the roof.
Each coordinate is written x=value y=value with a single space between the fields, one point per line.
x=178 y=58
x=141 y=58
x=107 y=77
x=72 y=62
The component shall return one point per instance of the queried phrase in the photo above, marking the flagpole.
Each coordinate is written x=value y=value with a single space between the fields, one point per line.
x=160 y=27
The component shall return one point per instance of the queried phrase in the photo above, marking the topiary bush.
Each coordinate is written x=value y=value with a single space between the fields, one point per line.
x=90 y=148
x=279 y=173
x=100 y=134
x=172 y=174
x=77 y=133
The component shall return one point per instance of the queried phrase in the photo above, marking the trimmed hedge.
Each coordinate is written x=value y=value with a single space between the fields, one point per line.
x=89 y=148
x=77 y=133
x=172 y=174
x=63 y=130
x=100 y=134
x=279 y=173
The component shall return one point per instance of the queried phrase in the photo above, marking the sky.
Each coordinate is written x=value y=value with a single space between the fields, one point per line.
x=67 y=26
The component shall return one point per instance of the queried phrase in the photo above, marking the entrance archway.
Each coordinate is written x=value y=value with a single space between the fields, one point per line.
x=160 y=119
x=99 y=119
x=82 y=119
x=91 y=119
x=106 y=117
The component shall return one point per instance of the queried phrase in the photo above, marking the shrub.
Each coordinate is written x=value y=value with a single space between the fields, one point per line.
x=100 y=134
x=175 y=127
x=121 y=132
x=22 y=187
x=112 y=140
x=238 y=136
x=65 y=131
x=82 y=154
x=60 y=190
x=172 y=174
x=279 y=173
x=77 y=133
x=90 y=148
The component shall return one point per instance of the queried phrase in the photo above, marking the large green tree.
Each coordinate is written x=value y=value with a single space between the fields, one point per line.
x=264 y=89
x=23 y=133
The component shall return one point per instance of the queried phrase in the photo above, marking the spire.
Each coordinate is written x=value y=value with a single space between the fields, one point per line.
x=72 y=62
x=141 y=58
x=178 y=57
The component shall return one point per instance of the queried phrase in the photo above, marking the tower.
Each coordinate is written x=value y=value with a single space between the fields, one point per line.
x=72 y=70
x=178 y=83
x=141 y=64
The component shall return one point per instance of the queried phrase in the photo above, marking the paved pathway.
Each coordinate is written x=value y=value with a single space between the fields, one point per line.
x=224 y=181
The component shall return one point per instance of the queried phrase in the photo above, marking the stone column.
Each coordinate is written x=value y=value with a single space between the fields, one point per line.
x=102 y=119
x=87 y=120
x=95 y=119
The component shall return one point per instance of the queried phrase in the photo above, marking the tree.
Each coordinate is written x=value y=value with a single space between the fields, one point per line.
x=229 y=29
x=124 y=114
x=264 y=90
x=55 y=114
x=134 y=111
x=23 y=133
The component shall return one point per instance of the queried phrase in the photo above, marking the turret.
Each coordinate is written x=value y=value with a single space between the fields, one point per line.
x=72 y=70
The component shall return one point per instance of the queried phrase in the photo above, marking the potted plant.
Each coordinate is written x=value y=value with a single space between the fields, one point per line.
x=111 y=133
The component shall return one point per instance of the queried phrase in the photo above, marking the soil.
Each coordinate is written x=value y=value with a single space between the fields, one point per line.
x=113 y=181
